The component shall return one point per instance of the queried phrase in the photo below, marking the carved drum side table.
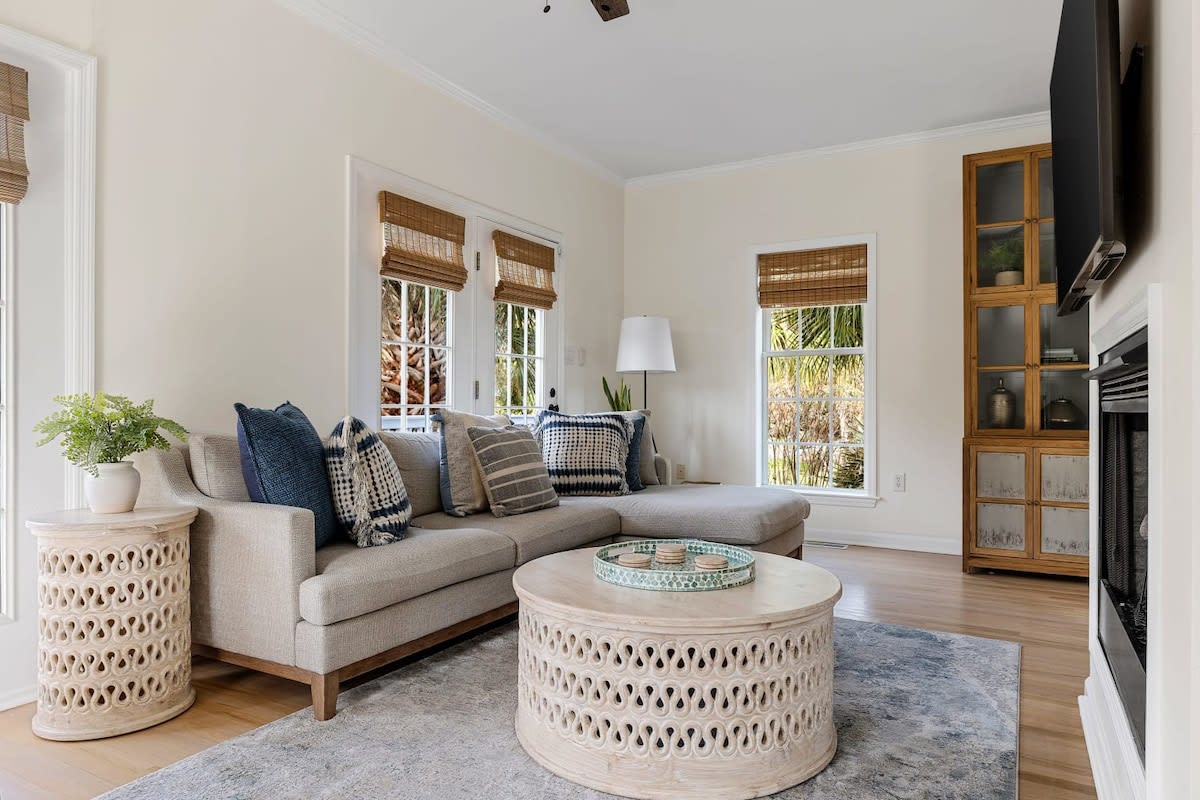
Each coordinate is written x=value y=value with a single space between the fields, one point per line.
x=716 y=695
x=114 y=621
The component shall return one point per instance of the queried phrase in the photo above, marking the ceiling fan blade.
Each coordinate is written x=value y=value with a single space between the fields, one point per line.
x=611 y=9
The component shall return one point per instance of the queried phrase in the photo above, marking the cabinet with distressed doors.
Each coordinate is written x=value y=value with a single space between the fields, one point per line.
x=1025 y=398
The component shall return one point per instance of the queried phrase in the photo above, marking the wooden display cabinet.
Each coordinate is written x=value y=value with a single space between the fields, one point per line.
x=1025 y=399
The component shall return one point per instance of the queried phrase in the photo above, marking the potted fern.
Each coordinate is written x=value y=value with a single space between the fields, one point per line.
x=98 y=433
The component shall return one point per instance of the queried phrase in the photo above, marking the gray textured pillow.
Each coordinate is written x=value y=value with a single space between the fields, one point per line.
x=514 y=474
x=462 y=488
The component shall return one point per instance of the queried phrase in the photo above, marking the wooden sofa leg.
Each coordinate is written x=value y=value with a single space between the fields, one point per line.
x=324 y=695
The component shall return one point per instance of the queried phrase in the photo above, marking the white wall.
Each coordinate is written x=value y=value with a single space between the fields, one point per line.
x=223 y=132
x=1165 y=251
x=687 y=258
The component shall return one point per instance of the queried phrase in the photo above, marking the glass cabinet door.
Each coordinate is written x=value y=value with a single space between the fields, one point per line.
x=1062 y=504
x=1043 y=219
x=1000 y=367
x=1000 y=225
x=1062 y=349
x=999 y=516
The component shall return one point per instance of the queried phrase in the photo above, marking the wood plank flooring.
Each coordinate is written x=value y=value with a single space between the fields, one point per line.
x=1048 y=616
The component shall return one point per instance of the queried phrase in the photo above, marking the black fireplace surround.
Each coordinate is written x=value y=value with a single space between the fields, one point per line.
x=1123 y=376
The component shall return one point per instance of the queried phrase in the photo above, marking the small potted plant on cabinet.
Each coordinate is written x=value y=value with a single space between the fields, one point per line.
x=98 y=433
x=1004 y=260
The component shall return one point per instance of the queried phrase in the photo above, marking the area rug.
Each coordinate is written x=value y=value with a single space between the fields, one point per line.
x=919 y=715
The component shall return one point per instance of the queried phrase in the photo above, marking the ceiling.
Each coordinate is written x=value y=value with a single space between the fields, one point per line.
x=682 y=84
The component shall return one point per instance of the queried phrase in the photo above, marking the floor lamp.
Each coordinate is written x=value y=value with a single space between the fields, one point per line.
x=645 y=347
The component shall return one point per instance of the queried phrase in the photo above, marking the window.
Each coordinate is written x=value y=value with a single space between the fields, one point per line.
x=816 y=365
x=452 y=305
x=415 y=353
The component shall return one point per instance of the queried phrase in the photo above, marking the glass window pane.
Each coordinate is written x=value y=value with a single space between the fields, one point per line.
x=1000 y=256
x=848 y=467
x=1000 y=475
x=1064 y=478
x=416 y=313
x=814 y=328
x=439 y=318
x=531 y=331
x=849 y=421
x=1002 y=399
x=516 y=380
x=1000 y=192
x=781 y=376
x=392 y=374
x=439 y=363
x=417 y=360
x=781 y=464
x=1045 y=187
x=813 y=421
x=1047 y=269
x=392 y=310
x=1064 y=340
x=785 y=329
x=1001 y=335
x=849 y=376
x=518 y=329
x=502 y=310
x=1065 y=531
x=813 y=374
x=1064 y=400
x=781 y=421
x=812 y=466
x=532 y=368
x=501 y=399
x=848 y=326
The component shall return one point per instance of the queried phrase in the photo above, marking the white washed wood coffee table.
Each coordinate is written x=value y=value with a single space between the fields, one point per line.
x=723 y=694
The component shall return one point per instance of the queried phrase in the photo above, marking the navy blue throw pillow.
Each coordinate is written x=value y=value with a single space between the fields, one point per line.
x=283 y=462
x=633 y=472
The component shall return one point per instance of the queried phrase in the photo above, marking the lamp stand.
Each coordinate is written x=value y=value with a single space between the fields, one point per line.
x=645 y=391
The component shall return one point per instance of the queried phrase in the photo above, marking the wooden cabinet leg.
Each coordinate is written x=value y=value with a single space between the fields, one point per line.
x=324 y=695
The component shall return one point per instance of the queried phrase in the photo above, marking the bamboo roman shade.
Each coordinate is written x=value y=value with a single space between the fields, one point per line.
x=14 y=113
x=421 y=243
x=524 y=271
x=827 y=276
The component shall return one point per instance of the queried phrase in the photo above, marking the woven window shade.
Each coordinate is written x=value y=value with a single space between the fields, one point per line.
x=14 y=113
x=828 y=276
x=524 y=271
x=421 y=243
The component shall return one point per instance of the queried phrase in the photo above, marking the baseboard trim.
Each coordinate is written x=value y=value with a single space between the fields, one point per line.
x=1116 y=768
x=18 y=697
x=889 y=540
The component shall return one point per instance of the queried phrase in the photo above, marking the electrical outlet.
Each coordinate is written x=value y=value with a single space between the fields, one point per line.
x=681 y=472
x=899 y=482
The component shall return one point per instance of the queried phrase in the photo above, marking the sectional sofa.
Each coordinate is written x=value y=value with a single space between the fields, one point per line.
x=263 y=597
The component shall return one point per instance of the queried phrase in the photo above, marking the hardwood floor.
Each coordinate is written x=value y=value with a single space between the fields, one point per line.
x=1048 y=616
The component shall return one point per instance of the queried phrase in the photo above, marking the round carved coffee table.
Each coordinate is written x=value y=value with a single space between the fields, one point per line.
x=721 y=694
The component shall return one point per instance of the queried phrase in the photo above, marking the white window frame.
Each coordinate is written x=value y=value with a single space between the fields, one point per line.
x=8 y=572
x=867 y=497
x=472 y=333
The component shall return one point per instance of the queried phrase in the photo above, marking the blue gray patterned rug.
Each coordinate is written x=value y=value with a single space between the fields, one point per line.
x=919 y=715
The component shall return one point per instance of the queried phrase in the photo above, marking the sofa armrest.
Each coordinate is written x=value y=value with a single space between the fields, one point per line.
x=247 y=562
x=662 y=468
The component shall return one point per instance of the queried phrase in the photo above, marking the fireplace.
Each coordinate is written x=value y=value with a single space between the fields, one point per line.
x=1122 y=608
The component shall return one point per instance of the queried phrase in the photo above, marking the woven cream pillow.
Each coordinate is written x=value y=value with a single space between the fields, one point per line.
x=462 y=487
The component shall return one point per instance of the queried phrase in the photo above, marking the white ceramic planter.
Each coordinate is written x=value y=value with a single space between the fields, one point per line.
x=1010 y=277
x=115 y=490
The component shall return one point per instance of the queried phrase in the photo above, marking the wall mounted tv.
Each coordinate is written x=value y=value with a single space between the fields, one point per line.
x=1085 y=121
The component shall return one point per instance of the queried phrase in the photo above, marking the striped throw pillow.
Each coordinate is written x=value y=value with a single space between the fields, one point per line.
x=585 y=454
x=514 y=475
x=368 y=494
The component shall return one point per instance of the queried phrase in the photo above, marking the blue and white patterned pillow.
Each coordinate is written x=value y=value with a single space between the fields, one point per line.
x=368 y=493
x=585 y=454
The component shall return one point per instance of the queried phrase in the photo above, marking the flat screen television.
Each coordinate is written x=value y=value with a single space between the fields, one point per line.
x=1085 y=122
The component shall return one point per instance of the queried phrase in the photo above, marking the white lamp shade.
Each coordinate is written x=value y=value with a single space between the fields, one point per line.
x=645 y=345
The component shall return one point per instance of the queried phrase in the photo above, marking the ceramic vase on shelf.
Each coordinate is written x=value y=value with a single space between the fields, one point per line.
x=1062 y=413
x=1010 y=277
x=114 y=490
x=1002 y=407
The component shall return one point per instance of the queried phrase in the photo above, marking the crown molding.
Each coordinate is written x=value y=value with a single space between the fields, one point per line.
x=866 y=145
x=323 y=16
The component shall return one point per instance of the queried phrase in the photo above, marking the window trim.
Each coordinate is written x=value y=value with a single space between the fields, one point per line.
x=868 y=496
x=364 y=180
x=8 y=522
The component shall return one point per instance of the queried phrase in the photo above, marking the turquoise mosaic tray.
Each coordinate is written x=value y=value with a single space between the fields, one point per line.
x=675 y=577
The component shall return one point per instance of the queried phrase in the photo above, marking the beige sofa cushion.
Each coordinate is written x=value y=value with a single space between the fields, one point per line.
x=417 y=455
x=353 y=581
x=538 y=533
x=217 y=466
x=744 y=515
